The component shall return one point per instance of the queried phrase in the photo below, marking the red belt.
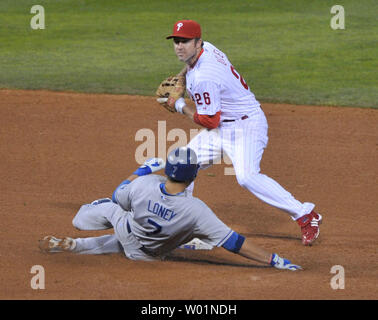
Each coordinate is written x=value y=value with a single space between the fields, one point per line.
x=229 y=120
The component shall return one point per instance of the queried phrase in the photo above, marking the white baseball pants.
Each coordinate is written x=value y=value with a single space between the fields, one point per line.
x=244 y=141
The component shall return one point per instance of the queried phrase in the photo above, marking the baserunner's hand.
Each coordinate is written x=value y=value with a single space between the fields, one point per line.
x=282 y=263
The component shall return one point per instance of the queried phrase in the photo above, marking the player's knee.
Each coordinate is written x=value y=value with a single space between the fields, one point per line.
x=245 y=179
x=242 y=181
x=77 y=221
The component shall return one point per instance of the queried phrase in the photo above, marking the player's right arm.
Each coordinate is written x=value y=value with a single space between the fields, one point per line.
x=209 y=122
x=206 y=96
x=182 y=73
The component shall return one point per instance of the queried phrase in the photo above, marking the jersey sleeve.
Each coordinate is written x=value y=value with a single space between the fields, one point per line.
x=210 y=122
x=206 y=95
x=210 y=229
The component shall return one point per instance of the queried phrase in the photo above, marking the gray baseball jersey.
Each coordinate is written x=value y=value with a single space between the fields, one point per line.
x=161 y=222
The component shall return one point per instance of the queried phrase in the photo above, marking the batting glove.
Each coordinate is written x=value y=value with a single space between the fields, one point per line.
x=149 y=166
x=281 y=263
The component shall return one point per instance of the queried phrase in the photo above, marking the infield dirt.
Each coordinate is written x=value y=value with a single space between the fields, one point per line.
x=61 y=150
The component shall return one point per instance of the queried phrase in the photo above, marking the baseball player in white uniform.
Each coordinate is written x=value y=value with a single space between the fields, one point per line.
x=152 y=215
x=234 y=122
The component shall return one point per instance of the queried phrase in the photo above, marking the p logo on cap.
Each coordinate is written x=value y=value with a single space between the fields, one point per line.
x=188 y=29
x=179 y=25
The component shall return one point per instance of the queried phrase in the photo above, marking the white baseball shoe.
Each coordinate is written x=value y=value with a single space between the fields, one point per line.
x=196 y=244
x=50 y=244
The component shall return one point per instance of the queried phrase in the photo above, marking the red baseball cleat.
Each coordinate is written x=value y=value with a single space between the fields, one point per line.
x=309 y=224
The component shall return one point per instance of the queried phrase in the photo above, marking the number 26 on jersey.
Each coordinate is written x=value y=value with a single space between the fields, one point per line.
x=201 y=99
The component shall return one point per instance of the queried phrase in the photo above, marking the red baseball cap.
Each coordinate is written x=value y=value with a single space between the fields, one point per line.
x=186 y=29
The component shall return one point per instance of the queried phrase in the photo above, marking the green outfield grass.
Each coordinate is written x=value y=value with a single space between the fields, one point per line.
x=285 y=49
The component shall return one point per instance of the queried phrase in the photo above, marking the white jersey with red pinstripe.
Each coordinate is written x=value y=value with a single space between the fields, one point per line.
x=215 y=85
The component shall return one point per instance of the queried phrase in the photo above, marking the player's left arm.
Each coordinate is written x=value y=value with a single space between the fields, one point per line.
x=238 y=244
x=211 y=230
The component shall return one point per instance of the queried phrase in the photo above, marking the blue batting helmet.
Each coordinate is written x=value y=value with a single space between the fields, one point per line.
x=182 y=164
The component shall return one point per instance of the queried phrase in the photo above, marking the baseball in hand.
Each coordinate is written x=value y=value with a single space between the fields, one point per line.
x=162 y=100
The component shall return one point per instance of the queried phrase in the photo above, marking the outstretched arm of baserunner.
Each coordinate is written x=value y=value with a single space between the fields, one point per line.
x=238 y=244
